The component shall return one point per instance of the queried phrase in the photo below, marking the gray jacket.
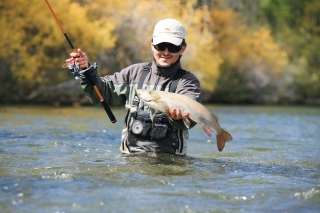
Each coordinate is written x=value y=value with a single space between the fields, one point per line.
x=118 y=89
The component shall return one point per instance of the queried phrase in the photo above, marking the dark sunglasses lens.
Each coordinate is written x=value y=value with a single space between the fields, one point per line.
x=171 y=47
x=174 y=48
x=160 y=47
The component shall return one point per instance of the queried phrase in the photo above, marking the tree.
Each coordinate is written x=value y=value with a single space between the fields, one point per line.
x=296 y=25
x=136 y=19
x=252 y=61
x=32 y=49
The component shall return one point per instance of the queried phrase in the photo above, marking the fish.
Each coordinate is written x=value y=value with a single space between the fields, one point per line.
x=160 y=100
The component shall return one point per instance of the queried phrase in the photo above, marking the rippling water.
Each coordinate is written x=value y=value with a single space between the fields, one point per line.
x=68 y=160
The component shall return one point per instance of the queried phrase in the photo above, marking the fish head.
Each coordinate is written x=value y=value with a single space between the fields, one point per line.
x=147 y=95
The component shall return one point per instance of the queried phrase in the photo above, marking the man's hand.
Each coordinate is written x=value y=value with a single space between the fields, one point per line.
x=176 y=114
x=80 y=58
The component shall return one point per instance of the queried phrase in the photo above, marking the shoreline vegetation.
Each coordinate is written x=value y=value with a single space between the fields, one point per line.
x=70 y=94
x=243 y=52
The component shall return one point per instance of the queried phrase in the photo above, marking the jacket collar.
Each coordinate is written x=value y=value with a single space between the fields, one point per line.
x=165 y=71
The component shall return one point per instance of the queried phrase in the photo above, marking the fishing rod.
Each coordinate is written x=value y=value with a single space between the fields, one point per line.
x=75 y=69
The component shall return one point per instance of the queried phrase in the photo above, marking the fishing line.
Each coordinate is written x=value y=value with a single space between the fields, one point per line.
x=113 y=51
x=75 y=69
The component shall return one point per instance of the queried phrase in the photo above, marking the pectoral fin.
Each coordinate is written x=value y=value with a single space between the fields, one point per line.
x=132 y=108
x=186 y=122
x=152 y=113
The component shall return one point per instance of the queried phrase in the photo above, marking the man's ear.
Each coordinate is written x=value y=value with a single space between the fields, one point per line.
x=184 y=47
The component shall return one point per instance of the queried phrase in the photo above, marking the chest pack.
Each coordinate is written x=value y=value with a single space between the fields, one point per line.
x=141 y=128
x=173 y=86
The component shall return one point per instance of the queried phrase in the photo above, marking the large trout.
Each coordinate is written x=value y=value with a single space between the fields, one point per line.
x=160 y=100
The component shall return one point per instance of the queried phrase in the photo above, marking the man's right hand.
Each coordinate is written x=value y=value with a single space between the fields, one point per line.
x=80 y=58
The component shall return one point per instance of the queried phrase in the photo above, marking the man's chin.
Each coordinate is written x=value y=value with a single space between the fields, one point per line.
x=165 y=63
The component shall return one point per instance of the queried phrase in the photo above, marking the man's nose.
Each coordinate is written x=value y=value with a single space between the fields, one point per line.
x=166 y=51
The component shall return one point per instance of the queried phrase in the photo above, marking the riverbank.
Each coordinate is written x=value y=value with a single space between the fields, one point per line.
x=69 y=93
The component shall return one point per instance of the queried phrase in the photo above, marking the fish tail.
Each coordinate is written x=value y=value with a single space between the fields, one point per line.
x=226 y=135
x=222 y=138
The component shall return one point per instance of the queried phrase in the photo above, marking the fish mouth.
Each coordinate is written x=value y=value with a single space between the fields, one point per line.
x=142 y=98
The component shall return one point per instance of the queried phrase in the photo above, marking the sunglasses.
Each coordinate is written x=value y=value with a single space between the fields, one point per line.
x=171 y=47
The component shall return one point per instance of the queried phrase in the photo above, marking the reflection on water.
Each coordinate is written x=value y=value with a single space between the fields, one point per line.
x=68 y=160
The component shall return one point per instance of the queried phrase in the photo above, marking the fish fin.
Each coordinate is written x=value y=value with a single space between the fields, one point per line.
x=222 y=138
x=187 y=122
x=215 y=117
x=128 y=106
x=136 y=91
x=207 y=130
x=226 y=135
x=132 y=108
x=152 y=113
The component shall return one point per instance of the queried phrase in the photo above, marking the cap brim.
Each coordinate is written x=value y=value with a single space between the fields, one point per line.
x=168 y=39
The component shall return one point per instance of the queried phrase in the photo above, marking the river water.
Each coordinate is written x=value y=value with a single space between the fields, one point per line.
x=68 y=160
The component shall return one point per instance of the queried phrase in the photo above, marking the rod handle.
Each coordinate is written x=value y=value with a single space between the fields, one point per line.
x=102 y=101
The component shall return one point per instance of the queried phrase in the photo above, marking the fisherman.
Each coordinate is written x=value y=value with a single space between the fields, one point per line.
x=167 y=132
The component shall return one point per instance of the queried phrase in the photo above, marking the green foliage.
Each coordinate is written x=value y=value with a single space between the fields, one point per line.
x=296 y=25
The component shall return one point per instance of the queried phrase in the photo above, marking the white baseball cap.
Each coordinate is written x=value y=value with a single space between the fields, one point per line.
x=168 y=30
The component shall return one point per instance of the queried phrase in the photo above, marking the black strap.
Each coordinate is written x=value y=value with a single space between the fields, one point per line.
x=145 y=71
x=175 y=80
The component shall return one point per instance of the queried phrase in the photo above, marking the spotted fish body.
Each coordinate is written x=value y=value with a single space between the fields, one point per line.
x=160 y=100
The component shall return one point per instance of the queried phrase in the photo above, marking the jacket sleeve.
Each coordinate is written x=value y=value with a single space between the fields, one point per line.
x=188 y=85
x=113 y=88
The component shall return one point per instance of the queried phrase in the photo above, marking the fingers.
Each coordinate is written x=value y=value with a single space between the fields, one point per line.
x=174 y=113
x=75 y=53
x=186 y=116
x=80 y=58
x=81 y=54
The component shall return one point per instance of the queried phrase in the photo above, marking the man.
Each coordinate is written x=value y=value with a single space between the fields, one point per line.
x=166 y=133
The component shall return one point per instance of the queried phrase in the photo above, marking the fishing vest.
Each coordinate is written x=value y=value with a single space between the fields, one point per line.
x=156 y=136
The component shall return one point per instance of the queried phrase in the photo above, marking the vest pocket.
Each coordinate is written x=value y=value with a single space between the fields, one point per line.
x=158 y=131
x=140 y=124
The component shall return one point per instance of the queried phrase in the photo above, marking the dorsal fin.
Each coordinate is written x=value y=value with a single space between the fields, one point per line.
x=215 y=117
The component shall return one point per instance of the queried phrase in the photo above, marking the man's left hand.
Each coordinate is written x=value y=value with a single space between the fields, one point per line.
x=176 y=114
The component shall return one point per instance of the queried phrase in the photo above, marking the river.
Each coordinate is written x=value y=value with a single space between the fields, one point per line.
x=66 y=159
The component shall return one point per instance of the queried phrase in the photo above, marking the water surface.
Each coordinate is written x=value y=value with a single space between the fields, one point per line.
x=68 y=160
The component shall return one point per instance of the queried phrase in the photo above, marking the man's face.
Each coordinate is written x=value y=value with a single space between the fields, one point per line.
x=165 y=57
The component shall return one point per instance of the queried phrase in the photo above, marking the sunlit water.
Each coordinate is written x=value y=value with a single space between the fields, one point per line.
x=68 y=160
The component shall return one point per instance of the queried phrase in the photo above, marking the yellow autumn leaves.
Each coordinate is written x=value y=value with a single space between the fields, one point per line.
x=33 y=48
